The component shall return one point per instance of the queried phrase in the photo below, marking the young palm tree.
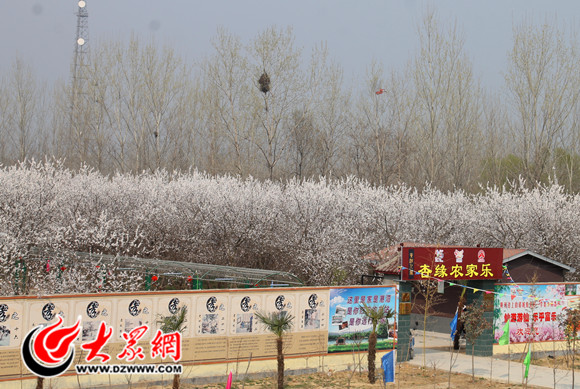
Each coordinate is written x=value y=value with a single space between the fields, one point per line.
x=173 y=323
x=375 y=315
x=277 y=323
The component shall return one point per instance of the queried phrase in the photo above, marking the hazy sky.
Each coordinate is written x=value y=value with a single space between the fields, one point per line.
x=42 y=32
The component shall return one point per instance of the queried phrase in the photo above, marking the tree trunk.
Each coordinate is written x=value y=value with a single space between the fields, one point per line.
x=554 y=354
x=175 y=381
x=472 y=363
x=491 y=369
x=458 y=332
x=451 y=348
x=427 y=307
x=573 y=357
x=280 y=363
x=509 y=360
x=372 y=354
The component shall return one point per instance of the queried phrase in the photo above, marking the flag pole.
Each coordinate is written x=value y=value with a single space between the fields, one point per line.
x=491 y=367
x=524 y=366
x=505 y=339
x=509 y=360
x=396 y=318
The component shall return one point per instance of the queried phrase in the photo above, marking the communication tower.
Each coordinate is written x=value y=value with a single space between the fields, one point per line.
x=80 y=64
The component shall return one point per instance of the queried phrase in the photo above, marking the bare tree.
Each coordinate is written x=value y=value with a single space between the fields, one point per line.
x=447 y=110
x=186 y=147
x=134 y=114
x=302 y=143
x=544 y=85
x=142 y=107
x=275 y=56
x=23 y=111
x=462 y=123
x=496 y=144
x=475 y=325
x=329 y=105
x=428 y=299
x=401 y=105
x=570 y=323
x=381 y=130
x=211 y=137
x=56 y=142
x=4 y=112
x=229 y=82
x=165 y=88
x=567 y=155
x=372 y=128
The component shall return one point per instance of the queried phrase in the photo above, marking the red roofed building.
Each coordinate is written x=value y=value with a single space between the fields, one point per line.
x=523 y=266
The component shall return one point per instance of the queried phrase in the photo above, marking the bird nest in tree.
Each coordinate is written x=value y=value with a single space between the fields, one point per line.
x=264 y=82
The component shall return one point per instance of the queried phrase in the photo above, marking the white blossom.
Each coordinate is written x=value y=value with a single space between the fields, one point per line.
x=317 y=229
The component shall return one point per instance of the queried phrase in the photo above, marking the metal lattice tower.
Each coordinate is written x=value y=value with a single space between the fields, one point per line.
x=80 y=65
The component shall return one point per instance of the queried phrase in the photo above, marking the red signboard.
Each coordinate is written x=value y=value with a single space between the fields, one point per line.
x=452 y=263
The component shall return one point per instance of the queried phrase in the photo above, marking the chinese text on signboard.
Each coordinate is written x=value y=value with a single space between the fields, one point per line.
x=450 y=263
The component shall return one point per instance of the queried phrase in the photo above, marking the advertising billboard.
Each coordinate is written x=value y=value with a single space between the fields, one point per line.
x=349 y=327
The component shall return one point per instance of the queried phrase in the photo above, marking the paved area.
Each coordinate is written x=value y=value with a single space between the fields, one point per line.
x=437 y=355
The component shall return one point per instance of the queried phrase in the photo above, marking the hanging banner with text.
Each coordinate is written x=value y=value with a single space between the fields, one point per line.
x=533 y=310
x=451 y=263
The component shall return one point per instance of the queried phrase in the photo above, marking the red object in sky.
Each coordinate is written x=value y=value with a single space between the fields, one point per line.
x=380 y=91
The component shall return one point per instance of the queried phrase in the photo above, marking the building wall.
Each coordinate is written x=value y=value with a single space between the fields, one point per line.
x=446 y=306
x=523 y=269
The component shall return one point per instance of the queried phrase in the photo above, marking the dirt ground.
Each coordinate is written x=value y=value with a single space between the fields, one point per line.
x=408 y=376
x=561 y=362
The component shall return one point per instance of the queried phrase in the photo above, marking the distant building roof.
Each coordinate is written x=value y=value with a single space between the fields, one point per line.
x=388 y=260
x=520 y=253
x=508 y=253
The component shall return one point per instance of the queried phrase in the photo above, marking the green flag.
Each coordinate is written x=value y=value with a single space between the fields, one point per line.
x=527 y=361
x=505 y=338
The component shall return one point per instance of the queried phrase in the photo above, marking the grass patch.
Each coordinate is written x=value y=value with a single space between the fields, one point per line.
x=381 y=345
